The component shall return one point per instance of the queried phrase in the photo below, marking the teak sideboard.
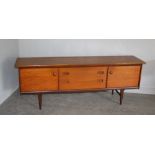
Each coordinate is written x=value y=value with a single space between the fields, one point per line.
x=40 y=75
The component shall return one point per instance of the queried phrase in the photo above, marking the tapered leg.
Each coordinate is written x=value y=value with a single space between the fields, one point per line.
x=40 y=100
x=112 y=92
x=121 y=95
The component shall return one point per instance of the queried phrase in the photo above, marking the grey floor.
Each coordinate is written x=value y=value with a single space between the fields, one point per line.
x=98 y=103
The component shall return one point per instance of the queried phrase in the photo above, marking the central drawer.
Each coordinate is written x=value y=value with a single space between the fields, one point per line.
x=81 y=78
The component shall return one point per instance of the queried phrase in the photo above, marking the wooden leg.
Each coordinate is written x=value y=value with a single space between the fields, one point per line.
x=112 y=92
x=121 y=95
x=40 y=100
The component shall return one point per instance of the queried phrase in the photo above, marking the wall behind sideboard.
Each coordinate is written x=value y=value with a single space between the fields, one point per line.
x=144 y=49
x=8 y=73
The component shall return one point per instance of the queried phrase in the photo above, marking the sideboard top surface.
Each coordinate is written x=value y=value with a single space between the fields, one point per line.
x=77 y=61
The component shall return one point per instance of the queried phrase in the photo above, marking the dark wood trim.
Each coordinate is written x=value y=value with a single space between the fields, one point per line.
x=71 y=66
x=78 y=91
x=112 y=92
x=140 y=76
x=40 y=100
x=77 y=61
x=58 y=74
x=121 y=95
x=117 y=92
x=107 y=76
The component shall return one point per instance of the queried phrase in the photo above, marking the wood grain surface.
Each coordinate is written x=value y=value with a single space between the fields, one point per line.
x=77 y=61
x=82 y=78
x=38 y=79
x=123 y=76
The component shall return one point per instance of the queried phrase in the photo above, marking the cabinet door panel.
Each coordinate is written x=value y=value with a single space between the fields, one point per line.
x=38 y=79
x=123 y=76
x=82 y=78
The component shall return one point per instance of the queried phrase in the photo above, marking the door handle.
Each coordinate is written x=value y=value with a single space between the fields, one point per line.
x=54 y=74
x=110 y=72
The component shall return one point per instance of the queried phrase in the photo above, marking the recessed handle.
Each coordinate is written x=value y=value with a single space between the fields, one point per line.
x=65 y=73
x=100 y=72
x=101 y=80
x=67 y=81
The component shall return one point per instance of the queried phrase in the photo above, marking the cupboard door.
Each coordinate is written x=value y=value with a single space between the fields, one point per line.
x=123 y=76
x=81 y=78
x=38 y=79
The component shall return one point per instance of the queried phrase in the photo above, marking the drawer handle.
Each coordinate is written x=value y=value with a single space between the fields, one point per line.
x=100 y=72
x=101 y=80
x=65 y=73
x=110 y=72
x=67 y=81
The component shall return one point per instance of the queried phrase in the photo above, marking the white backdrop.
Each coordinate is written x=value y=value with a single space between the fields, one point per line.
x=8 y=73
x=144 y=49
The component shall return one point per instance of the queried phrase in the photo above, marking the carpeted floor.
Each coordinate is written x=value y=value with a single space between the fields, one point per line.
x=98 y=103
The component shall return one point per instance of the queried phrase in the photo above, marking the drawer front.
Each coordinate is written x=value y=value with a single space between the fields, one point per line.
x=38 y=79
x=82 y=78
x=123 y=76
